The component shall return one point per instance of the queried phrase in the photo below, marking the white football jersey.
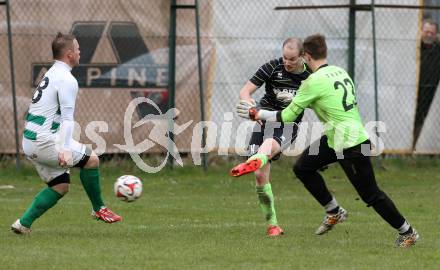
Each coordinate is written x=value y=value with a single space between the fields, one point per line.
x=53 y=102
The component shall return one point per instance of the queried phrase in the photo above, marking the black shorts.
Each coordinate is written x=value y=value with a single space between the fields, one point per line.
x=283 y=133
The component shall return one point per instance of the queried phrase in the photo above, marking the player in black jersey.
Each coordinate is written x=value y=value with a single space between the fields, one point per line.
x=282 y=78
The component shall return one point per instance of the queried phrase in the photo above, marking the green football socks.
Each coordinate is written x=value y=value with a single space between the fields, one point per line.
x=44 y=200
x=90 y=182
x=264 y=158
x=267 y=203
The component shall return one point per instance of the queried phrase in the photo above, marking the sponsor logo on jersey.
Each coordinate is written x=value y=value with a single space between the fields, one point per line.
x=290 y=90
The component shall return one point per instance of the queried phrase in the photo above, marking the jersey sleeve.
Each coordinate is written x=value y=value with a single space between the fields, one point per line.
x=67 y=92
x=307 y=93
x=264 y=73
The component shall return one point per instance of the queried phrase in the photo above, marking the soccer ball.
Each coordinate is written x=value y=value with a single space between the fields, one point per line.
x=128 y=188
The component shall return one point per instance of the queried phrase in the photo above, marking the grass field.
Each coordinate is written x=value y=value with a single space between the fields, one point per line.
x=188 y=219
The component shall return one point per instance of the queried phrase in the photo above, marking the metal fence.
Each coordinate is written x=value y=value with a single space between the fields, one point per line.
x=125 y=53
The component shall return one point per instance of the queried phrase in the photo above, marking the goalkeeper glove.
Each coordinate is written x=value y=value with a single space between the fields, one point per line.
x=285 y=97
x=243 y=107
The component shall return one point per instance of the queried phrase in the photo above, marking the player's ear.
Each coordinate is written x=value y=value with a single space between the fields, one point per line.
x=69 y=53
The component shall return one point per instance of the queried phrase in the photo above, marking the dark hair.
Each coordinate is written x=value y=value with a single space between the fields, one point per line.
x=431 y=22
x=60 y=43
x=315 y=46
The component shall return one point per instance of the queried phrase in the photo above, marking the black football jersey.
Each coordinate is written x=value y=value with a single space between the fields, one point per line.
x=277 y=79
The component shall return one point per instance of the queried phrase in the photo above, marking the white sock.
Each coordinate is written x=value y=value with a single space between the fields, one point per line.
x=404 y=228
x=331 y=205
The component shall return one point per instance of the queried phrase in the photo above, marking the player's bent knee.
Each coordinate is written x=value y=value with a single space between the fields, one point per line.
x=61 y=183
x=93 y=161
x=85 y=158
x=299 y=170
x=62 y=189
x=374 y=197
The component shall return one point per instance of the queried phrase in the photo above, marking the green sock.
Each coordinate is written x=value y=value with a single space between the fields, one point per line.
x=44 y=200
x=264 y=159
x=90 y=182
x=267 y=203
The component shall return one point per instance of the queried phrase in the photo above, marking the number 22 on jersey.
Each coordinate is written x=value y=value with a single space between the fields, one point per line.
x=348 y=98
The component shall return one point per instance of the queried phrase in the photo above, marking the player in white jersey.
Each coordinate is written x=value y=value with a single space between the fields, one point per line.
x=48 y=143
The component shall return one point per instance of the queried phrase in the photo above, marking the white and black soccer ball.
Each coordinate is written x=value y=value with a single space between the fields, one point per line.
x=128 y=188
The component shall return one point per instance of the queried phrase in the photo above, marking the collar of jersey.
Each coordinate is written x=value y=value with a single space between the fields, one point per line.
x=325 y=65
x=62 y=64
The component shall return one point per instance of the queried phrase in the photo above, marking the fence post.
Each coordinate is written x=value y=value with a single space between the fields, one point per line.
x=171 y=80
x=14 y=95
x=352 y=39
x=201 y=90
x=172 y=74
x=376 y=100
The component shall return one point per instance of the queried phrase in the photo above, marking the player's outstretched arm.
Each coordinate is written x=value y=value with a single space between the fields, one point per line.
x=245 y=100
x=248 y=89
x=289 y=114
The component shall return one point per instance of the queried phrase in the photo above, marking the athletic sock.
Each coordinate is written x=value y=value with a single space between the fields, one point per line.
x=405 y=228
x=90 y=181
x=267 y=203
x=43 y=201
x=332 y=207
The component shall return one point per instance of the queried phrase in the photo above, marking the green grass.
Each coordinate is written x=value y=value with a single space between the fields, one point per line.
x=188 y=219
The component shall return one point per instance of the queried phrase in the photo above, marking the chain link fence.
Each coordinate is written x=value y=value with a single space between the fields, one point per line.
x=6 y=113
x=245 y=42
x=125 y=55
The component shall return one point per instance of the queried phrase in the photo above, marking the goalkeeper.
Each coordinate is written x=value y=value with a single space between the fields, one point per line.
x=330 y=92
x=282 y=78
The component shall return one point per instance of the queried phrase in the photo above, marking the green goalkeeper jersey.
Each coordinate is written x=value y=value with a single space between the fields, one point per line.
x=330 y=92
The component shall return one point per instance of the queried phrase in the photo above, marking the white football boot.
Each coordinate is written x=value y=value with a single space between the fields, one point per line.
x=331 y=220
x=20 y=229
x=408 y=239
